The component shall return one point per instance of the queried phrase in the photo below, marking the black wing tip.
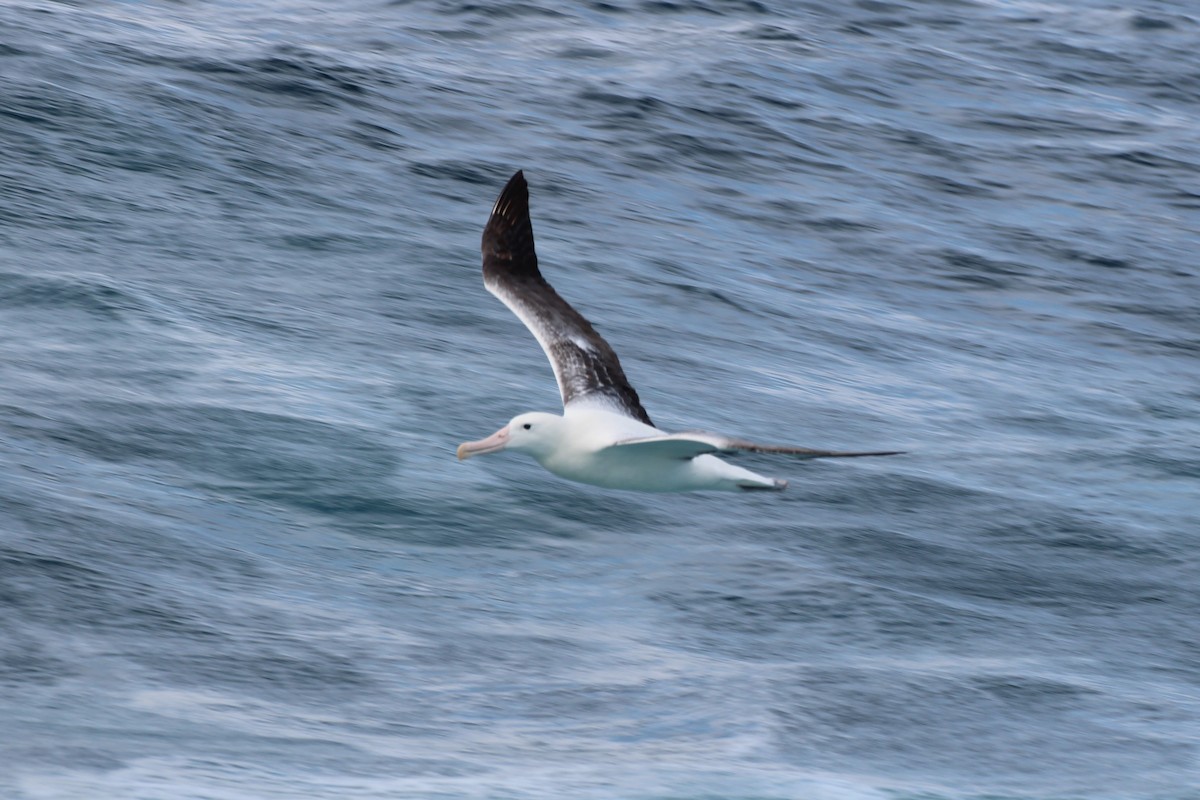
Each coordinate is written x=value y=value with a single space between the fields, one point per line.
x=777 y=485
x=511 y=209
x=514 y=193
x=507 y=244
x=516 y=183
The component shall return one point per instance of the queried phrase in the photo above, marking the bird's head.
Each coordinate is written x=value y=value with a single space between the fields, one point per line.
x=535 y=433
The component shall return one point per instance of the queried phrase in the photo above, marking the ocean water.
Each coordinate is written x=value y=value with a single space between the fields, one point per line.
x=242 y=330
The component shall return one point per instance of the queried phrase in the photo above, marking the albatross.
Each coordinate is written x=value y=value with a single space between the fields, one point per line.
x=603 y=437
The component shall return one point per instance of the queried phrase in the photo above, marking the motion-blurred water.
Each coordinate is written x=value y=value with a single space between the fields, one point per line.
x=242 y=330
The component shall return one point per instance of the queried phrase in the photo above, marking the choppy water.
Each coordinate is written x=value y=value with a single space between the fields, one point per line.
x=242 y=330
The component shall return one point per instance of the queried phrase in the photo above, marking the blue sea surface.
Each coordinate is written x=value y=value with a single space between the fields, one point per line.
x=243 y=329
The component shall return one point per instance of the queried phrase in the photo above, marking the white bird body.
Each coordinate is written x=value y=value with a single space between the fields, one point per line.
x=590 y=444
x=604 y=436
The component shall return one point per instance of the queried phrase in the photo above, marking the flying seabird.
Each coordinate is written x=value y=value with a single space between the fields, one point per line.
x=604 y=437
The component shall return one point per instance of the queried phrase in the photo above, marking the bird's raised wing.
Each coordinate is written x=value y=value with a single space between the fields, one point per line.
x=585 y=366
x=688 y=445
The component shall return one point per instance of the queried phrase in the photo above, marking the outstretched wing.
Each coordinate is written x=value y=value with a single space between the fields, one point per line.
x=585 y=366
x=688 y=445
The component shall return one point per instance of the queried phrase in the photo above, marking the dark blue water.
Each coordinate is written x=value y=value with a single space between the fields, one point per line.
x=242 y=330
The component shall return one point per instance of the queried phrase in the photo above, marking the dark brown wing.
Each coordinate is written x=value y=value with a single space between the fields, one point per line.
x=585 y=366
x=694 y=443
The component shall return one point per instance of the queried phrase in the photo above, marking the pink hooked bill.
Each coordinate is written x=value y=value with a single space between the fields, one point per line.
x=497 y=441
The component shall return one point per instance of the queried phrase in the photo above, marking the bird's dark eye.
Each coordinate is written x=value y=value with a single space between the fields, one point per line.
x=526 y=426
